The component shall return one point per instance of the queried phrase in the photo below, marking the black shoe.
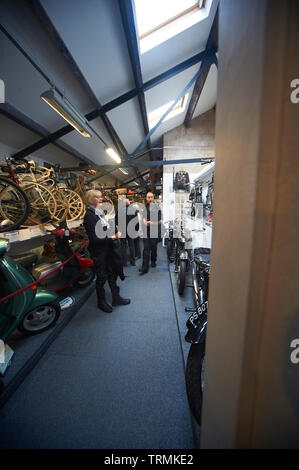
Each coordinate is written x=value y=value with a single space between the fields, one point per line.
x=133 y=263
x=142 y=271
x=118 y=300
x=105 y=307
x=154 y=264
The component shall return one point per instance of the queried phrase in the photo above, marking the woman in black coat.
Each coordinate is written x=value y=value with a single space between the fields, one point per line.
x=102 y=237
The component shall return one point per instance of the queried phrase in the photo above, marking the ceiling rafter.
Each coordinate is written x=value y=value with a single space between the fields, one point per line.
x=40 y=12
x=120 y=100
x=200 y=82
x=20 y=118
x=43 y=17
x=129 y=24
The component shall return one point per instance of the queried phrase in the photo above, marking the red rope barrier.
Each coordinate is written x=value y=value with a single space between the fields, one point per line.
x=43 y=277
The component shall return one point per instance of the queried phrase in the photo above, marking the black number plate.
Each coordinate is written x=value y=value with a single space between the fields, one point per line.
x=196 y=317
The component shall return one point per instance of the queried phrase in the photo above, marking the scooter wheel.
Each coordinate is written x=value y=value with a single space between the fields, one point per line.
x=40 y=319
x=86 y=278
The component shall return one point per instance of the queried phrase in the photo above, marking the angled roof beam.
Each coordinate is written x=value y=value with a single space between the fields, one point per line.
x=200 y=82
x=129 y=24
x=120 y=100
x=56 y=38
x=43 y=17
x=17 y=116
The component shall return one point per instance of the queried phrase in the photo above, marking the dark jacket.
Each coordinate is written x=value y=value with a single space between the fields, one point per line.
x=154 y=214
x=129 y=213
x=97 y=246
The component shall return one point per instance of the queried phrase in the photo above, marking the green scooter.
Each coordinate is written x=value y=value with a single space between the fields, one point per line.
x=32 y=311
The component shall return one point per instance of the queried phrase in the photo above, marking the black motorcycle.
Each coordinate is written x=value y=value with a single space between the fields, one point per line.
x=196 y=334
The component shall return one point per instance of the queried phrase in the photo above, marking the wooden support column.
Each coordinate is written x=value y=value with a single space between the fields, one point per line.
x=251 y=397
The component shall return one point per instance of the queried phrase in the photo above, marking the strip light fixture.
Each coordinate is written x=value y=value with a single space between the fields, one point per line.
x=112 y=154
x=66 y=110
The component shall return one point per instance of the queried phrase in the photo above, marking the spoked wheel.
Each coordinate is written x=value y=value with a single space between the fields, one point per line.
x=14 y=205
x=86 y=278
x=76 y=208
x=40 y=319
x=195 y=378
x=182 y=276
x=61 y=205
x=43 y=204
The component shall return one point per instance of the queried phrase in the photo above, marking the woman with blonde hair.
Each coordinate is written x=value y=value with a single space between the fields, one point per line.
x=101 y=233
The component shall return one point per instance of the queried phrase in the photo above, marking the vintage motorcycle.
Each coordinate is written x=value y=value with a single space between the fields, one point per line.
x=78 y=272
x=32 y=311
x=196 y=334
x=178 y=251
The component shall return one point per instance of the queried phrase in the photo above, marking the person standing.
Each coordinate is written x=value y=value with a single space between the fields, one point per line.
x=152 y=220
x=101 y=236
x=139 y=229
x=125 y=215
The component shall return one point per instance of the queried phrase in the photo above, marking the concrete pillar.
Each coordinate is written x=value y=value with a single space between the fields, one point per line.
x=251 y=397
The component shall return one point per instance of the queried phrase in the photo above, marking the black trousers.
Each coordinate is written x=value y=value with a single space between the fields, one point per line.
x=137 y=246
x=131 y=244
x=149 y=252
x=104 y=272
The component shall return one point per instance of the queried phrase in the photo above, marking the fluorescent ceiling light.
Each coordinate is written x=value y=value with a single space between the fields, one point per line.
x=65 y=109
x=123 y=171
x=155 y=116
x=111 y=152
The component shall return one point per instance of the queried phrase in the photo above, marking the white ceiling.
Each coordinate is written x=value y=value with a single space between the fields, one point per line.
x=92 y=32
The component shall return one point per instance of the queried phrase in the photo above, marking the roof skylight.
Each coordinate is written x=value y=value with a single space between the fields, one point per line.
x=155 y=116
x=159 y=20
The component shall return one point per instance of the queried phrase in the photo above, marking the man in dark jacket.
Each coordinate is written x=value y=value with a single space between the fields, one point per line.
x=101 y=236
x=152 y=220
x=125 y=215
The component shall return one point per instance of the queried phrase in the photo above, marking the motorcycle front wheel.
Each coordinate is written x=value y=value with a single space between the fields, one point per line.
x=170 y=250
x=40 y=319
x=195 y=378
x=182 y=276
x=86 y=278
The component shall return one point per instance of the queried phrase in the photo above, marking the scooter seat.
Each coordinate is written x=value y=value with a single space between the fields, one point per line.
x=26 y=260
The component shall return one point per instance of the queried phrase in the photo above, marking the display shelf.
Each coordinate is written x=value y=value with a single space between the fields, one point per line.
x=28 y=233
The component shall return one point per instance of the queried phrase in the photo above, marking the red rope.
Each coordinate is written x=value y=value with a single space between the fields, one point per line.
x=43 y=277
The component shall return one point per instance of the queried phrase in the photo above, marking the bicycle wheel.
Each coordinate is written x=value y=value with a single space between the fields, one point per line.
x=43 y=204
x=76 y=208
x=14 y=205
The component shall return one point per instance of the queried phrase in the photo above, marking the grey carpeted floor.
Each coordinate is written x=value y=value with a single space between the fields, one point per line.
x=109 y=381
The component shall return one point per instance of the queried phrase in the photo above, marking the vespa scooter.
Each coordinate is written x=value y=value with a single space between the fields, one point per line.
x=32 y=311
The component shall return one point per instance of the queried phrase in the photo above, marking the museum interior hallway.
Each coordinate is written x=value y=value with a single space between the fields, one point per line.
x=111 y=381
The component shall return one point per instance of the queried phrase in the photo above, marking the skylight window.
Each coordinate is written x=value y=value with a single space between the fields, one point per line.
x=155 y=116
x=159 y=20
